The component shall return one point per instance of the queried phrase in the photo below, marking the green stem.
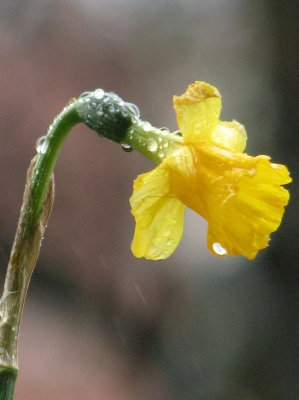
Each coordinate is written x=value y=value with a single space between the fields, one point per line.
x=154 y=143
x=8 y=378
x=35 y=211
x=49 y=151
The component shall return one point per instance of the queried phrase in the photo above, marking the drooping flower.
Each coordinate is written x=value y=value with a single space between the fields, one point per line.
x=240 y=196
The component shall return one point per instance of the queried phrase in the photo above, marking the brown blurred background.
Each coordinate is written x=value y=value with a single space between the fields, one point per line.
x=99 y=324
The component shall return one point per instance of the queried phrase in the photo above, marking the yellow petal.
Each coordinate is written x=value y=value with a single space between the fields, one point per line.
x=185 y=182
x=231 y=135
x=198 y=111
x=240 y=196
x=159 y=216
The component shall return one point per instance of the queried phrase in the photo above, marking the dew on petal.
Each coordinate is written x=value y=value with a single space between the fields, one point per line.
x=155 y=252
x=170 y=242
x=219 y=249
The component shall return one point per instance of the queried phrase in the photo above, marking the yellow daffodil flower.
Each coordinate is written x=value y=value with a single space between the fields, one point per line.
x=240 y=196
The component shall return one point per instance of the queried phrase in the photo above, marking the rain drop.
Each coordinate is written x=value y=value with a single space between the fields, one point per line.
x=151 y=144
x=155 y=251
x=146 y=126
x=110 y=107
x=164 y=131
x=99 y=111
x=177 y=133
x=133 y=109
x=252 y=172
x=119 y=101
x=126 y=147
x=84 y=94
x=99 y=94
x=219 y=249
x=41 y=145
x=92 y=105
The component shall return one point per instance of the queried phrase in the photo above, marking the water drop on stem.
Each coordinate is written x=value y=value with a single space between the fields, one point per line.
x=126 y=147
x=151 y=144
x=41 y=145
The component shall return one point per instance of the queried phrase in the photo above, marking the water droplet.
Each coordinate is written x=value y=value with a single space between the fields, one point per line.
x=151 y=144
x=276 y=166
x=177 y=133
x=252 y=172
x=146 y=126
x=161 y=154
x=99 y=94
x=119 y=101
x=126 y=147
x=100 y=111
x=219 y=249
x=155 y=251
x=165 y=143
x=84 y=94
x=164 y=131
x=133 y=109
x=110 y=107
x=92 y=106
x=41 y=145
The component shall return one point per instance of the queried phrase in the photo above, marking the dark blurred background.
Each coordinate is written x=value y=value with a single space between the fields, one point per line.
x=99 y=324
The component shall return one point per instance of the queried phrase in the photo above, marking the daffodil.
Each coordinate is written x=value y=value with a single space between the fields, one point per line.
x=241 y=197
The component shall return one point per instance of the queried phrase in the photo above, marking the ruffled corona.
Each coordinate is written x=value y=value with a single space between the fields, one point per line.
x=241 y=197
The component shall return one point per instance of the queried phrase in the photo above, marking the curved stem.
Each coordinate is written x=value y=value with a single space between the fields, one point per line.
x=49 y=151
x=36 y=207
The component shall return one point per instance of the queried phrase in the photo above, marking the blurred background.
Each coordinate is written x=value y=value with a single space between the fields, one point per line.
x=99 y=324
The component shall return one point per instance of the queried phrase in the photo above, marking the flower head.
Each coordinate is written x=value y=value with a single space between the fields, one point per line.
x=240 y=196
